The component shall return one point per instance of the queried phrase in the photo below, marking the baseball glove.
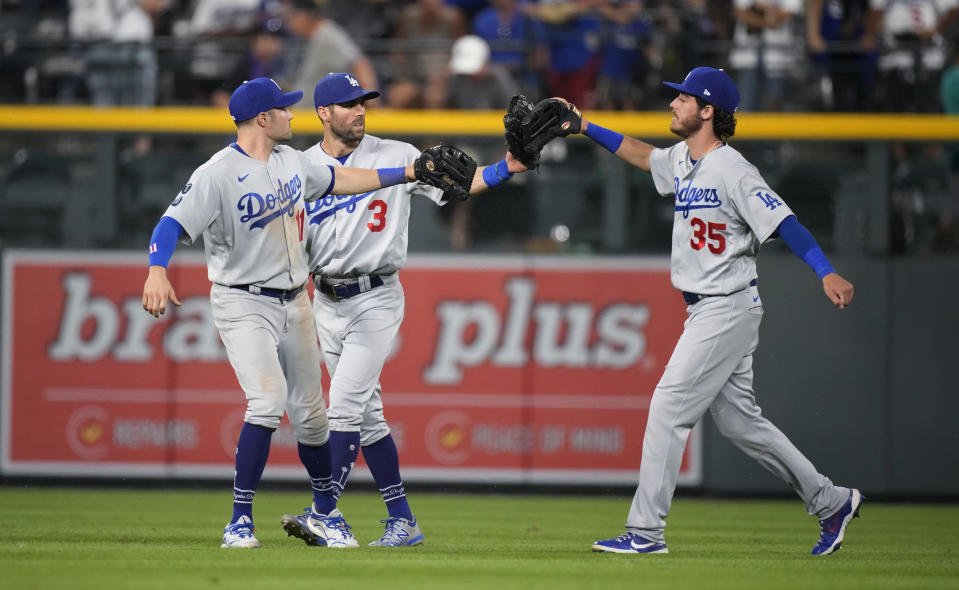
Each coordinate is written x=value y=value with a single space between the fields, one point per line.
x=448 y=168
x=549 y=119
x=519 y=108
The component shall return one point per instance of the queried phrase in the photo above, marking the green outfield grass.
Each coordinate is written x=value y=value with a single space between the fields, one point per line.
x=109 y=539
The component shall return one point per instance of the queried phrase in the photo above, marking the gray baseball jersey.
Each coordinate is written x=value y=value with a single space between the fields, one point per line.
x=366 y=234
x=251 y=214
x=724 y=210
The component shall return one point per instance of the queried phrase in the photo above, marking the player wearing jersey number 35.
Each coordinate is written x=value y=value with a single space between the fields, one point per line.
x=724 y=211
x=247 y=202
x=356 y=246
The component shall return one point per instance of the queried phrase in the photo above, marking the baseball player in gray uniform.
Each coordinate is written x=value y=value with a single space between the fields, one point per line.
x=247 y=201
x=356 y=245
x=724 y=211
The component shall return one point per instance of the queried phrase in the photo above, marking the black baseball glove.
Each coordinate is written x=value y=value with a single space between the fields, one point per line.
x=519 y=108
x=448 y=168
x=549 y=119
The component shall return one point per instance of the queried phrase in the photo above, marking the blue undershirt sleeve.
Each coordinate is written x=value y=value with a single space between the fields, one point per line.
x=801 y=242
x=163 y=241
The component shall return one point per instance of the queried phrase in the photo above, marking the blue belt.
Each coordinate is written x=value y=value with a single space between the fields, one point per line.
x=281 y=294
x=691 y=298
x=347 y=289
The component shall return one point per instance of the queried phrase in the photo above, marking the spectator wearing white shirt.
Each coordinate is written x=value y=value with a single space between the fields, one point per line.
x=914 y=54
x=121 y=63
x=766 y=48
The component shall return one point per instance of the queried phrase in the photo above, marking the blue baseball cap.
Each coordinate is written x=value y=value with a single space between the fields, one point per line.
x=712 y=85
x=338 y=88
x=259 y=95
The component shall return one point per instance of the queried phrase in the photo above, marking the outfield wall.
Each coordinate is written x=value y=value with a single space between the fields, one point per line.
x=509 y=370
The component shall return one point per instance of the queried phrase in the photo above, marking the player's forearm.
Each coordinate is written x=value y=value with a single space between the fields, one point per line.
x=350 y=181
x=490 y=176
x=626 y=148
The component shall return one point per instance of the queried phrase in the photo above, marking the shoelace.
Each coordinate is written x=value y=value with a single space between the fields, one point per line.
x=340 y=523
x=242 y=530
x=337 y=522
x=826 y=523
x=390 y=524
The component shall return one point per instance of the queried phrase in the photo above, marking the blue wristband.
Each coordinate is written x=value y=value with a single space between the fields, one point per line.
x=605 y=137
x=391 y=176
x=496 y=174
x=163 y=241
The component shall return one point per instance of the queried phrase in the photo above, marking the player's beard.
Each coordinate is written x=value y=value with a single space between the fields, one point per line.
x=688 y=126
x=348 y=132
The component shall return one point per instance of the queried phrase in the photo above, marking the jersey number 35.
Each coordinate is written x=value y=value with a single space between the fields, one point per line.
x=708 y=234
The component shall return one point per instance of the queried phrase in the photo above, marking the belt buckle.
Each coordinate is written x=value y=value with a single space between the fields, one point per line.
x=339 y=291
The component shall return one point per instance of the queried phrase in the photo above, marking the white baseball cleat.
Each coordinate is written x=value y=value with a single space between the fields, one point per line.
x=330 y=530
x=239 y=535
x=399 y=532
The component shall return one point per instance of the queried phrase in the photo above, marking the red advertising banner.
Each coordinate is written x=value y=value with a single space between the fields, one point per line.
x=506 y=369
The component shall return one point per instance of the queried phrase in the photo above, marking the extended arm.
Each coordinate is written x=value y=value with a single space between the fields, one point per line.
x=632 y=150
x=804 y=245
x=496 y=174
x=351 y=181
x=157 y=290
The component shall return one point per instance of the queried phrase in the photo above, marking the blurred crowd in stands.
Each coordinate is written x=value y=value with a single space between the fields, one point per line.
x=893 y=56
x=808 y=55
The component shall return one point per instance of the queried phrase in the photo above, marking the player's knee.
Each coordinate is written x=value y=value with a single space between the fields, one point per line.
x=310 y=426
x=312 y=434
x=730 y=422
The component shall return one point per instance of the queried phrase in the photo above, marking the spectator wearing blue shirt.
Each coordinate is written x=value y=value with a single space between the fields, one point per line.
x=515 y=40
x=624 y=65
x=572 y=37
x=468 y=8
x=842 y=38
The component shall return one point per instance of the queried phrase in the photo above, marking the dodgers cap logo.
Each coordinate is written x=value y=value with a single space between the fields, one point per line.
x=712 y=85
x=259 y=95
x=338 y=88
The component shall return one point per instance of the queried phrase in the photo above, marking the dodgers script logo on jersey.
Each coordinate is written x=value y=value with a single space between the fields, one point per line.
x=261 y=209
x=692 y=197
x=320 y=209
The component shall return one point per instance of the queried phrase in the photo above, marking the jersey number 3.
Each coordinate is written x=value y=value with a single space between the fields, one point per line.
x=378 y=208
x=703 y=231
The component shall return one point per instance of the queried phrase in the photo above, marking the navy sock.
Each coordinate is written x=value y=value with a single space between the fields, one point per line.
x=344 y=446
x=384 y=463
x=252 y=449
x=317 y=463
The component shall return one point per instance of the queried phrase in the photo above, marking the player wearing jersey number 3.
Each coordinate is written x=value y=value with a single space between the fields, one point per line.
x=247 y=202
x=724 y=211
x=356 y=245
